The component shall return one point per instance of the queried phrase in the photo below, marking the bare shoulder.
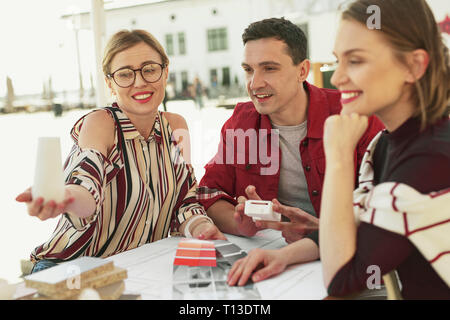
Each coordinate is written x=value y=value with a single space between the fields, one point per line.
x=98 y=122
x=176 y=121
x=99 y=117
x=97 y=131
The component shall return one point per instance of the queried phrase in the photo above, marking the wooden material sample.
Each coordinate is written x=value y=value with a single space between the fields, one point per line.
x=100 y=281
x=66 y=280
x=112 y=291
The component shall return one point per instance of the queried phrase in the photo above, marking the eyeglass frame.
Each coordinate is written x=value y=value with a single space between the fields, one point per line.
x=162 y=65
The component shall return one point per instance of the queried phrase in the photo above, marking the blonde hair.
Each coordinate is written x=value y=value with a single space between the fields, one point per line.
x=126 y=39
x=409 y=25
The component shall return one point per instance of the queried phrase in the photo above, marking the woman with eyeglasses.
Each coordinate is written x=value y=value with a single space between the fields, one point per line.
x=127 y=183
x=392 y=62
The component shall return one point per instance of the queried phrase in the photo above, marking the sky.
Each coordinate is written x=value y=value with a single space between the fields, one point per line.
x=36 y=43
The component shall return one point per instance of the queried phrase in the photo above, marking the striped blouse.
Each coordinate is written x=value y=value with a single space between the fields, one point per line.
x=142 y=190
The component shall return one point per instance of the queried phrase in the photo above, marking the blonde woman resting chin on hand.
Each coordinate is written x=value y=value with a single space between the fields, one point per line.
x=398 y=217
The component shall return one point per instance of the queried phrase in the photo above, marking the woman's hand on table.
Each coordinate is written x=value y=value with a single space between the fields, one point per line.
x=207 y=231
x=265 y=263
x=44 y=210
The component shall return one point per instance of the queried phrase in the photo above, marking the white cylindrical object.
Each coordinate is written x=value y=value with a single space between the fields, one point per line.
x=48 y=175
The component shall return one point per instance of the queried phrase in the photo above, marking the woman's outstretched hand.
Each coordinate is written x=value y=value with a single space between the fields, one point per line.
x=44 y=209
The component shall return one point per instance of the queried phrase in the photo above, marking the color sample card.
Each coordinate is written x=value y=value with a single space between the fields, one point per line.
x=195 y=253
x=209 y=283
x=229 y=251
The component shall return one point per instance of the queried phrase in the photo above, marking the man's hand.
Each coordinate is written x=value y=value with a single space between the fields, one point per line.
x=301 y=223
x=245 y=224
x=261 y=263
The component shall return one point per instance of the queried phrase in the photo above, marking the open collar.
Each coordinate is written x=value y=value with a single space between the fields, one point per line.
x=129 y=130
x=318 y=111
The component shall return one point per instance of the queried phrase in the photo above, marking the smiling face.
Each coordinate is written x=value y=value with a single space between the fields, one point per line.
x=141 y=97
x=371 y=79
x=274 y=83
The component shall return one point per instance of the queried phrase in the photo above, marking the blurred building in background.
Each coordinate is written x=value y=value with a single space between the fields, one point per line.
x=203 y=41
x=203 y=37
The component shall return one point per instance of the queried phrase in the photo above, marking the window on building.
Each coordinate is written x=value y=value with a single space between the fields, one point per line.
x=184 y=80
x=171 y=87
x=213 y=77
x=226 y=78
x=169 y=44
x=217 y=39
x=181 y=43
x=172 y=77
x=305 y=29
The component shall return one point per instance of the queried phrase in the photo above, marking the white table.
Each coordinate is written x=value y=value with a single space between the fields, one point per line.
x=150 y=269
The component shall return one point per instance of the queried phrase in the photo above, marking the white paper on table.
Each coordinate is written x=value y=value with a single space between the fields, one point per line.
x=149 y=269
x=266 y=239
x=299 y=282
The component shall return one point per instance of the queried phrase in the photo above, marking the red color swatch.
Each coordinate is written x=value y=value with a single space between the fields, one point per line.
x=193 y=253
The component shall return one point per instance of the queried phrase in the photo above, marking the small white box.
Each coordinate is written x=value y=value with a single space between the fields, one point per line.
x=261 y=210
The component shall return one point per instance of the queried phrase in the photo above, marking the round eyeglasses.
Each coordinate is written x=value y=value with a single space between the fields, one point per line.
x=125 y=77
